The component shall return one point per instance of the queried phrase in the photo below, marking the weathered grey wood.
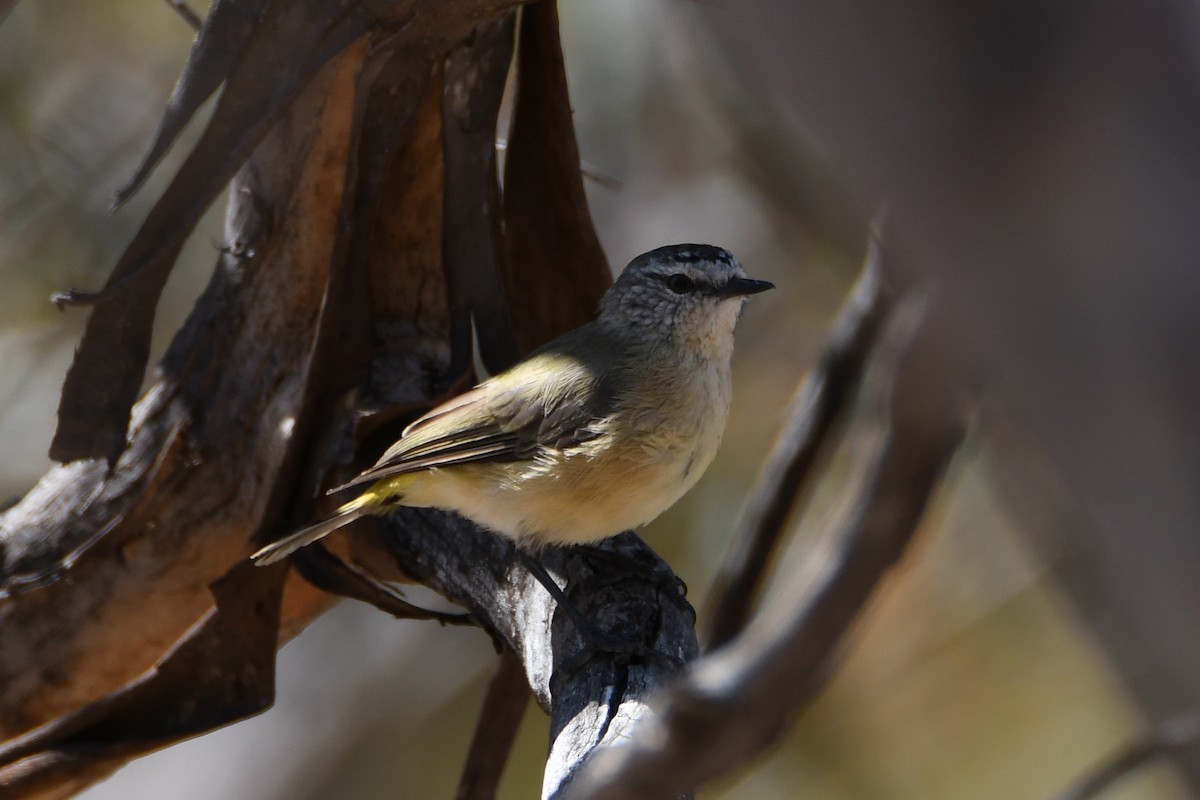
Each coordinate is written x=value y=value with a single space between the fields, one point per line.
x=635 y=604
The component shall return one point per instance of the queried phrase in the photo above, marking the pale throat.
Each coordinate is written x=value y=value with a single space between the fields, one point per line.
x=710 y=336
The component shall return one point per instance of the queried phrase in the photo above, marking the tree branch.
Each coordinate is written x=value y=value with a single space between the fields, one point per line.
x=639 y=610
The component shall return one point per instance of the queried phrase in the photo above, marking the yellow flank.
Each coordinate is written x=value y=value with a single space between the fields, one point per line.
x=378 y=498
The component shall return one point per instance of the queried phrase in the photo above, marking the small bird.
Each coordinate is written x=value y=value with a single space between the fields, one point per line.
x=595 y=433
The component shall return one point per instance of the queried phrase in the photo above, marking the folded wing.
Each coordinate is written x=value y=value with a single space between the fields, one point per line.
x=552 y=401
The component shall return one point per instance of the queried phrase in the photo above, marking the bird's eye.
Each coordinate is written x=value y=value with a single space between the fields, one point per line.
x=680 y=283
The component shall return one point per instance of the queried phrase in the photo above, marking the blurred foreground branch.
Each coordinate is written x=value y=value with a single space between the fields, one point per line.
x=734 y=701
x=1042 y=164
x=823 y=398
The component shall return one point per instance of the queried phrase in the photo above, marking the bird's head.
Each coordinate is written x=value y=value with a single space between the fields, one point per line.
x=692 y=293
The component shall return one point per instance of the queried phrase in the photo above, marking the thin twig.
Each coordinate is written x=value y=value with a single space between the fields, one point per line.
x=499 y=720
x=1132 y=757
x=328 y=572
x=184 y=10
x=787 y=474
x=1116 y=767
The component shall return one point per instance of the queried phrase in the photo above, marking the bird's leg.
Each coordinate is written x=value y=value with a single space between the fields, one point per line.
x=592 y=638
x=538 y=571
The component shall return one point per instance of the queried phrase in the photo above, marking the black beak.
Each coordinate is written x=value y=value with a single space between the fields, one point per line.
x=737 y=287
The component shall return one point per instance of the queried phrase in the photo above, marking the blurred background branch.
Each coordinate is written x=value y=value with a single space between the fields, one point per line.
x=1042 y=166
x=733 y=702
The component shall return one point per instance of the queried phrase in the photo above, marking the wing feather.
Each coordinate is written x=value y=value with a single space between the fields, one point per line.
x=548 y=402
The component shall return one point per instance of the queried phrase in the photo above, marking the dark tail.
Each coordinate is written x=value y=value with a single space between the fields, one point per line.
x=277 y=551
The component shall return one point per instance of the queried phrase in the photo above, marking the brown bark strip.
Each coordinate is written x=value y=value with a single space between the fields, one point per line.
x=234 y=645
x=215 y=435
x=293 y=41
x=106 y=374
x=224 y=34
x=555 y=269
x=476 y=73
